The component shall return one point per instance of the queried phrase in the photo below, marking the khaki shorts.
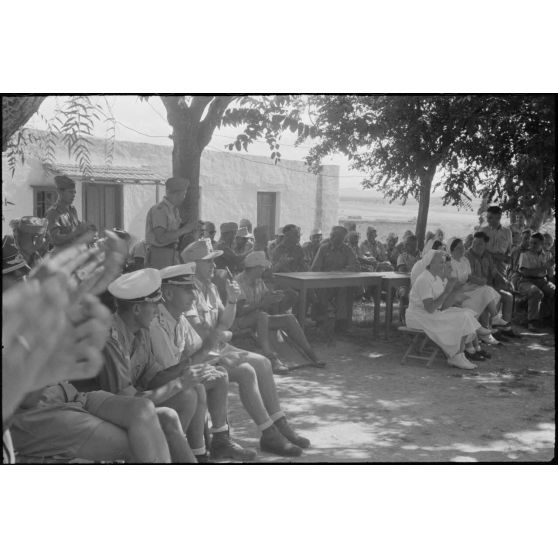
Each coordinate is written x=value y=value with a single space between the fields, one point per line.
x=58 y=428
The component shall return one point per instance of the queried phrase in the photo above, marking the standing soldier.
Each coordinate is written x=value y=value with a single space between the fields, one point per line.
x=64 y=227
x=163 y=227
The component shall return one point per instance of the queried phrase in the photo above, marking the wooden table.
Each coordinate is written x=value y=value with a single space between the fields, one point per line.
x=302 y=281
x=391 y=281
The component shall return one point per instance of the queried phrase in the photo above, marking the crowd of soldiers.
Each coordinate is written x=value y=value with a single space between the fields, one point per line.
x=120 y=351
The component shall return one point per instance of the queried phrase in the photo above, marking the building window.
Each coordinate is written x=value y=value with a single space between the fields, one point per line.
x=43 y=198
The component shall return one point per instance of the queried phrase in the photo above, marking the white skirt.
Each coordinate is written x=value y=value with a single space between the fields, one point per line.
x=478 y=297
x=445 y=327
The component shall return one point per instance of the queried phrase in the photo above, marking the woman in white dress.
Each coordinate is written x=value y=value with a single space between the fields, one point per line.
x=419 y=267
x=474 y=293
x=451 y=329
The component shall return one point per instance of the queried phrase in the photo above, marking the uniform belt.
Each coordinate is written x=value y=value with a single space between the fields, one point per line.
x=172 y=246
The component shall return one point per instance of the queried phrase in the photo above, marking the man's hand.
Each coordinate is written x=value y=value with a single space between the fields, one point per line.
x=233 y=291
x=195 y=374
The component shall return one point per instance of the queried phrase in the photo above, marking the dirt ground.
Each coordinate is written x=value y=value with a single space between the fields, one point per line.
x=367 y=407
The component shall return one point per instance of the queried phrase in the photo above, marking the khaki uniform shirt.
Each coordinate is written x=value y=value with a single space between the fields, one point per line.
x=61 y=220
x=329 y=258
x=128 y=359
x=531 y=260
x=500 y=242
x=172 y=340
x=288 y=259
x=164 y=215
x=374 y=249
x=252 y=294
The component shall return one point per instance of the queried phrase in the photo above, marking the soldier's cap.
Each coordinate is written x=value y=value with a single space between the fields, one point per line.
x=228 y=227
x=177 y=184
x=339 y=228
x=256 y=259
x=29 y=225
x=316 y=232
x=64 y=182
x=243 y=232
x=370 y=229
x=12 y=260
x=143 y=285
x=245 y=223
x=182 y=274
x=200 y=250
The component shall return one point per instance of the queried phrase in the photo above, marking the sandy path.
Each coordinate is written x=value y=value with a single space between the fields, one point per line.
x=366 y=406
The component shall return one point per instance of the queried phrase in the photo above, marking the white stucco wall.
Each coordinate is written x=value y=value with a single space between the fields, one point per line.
x=18 y=190
x=229 y=186
x=137 y=199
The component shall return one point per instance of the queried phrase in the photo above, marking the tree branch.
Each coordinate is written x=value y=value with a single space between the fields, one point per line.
x=213 y=117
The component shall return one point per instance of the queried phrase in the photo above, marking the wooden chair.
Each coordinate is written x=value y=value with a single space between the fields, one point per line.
x=418 y=345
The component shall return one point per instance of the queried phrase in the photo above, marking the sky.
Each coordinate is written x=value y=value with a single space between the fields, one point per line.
x=145 y=121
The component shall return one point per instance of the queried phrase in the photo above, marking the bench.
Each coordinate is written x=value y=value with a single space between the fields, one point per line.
x=417 y=347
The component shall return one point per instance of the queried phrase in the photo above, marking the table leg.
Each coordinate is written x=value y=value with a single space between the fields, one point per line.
x=389 y=309
x=377 y=302
x=302 y=307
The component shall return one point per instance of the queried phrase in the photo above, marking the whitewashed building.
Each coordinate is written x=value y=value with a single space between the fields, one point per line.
x=232 y=187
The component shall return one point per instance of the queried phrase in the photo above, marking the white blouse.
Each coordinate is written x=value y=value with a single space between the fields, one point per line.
x=461 y=269
x=426 y=286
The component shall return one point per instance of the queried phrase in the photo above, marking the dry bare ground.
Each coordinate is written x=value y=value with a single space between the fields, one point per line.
x=367 y=407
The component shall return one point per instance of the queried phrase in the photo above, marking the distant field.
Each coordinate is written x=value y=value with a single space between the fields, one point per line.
x=398 y=218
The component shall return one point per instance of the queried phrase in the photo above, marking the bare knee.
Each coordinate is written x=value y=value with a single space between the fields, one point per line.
x=142 y=410
x=245 y=375
x=169 y=420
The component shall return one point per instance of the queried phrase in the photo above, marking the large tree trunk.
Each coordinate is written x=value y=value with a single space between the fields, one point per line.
x=16 y=111
x=424 y=206
x=186 y=161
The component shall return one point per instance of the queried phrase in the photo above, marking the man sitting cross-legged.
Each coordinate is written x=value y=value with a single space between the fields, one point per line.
x=174 y=340
x=254 y=311
x=130 y=367
x=252 y=372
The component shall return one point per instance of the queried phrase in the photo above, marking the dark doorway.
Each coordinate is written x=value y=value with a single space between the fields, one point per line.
x=103 y=205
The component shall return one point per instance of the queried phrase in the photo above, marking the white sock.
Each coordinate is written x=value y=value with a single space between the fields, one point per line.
x=223 y=428
x=265 y=425
x=276 y=416
x=199 y=451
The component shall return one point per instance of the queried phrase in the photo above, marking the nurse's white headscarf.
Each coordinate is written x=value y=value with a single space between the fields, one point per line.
x=422 y=264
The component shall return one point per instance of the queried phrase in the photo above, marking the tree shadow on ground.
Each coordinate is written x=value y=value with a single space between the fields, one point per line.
x=366 y=406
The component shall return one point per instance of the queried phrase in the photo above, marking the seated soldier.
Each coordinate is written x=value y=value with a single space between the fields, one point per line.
x=516 y=252
x=252 y=372
x=405 y=262
x=550 y=251
x=288 y=257
x=57 y=421
x=247 y=224
x=335 y=255
x=483 y=268
x=311 y=247
x=130 y=367
x=374 y=252
x=243 y=242
x=275 y=242
x=209 y=231
x=534 y=283
x=30 y=238
x=174 y=340
x=255 y=312
x=391 y=249
x=228 y=258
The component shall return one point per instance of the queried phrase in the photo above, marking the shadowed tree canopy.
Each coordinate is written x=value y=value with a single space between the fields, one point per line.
x=16 y=112
x=473 y=144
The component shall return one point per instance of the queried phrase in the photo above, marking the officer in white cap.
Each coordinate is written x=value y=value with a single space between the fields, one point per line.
x=130 y=367
x=173 y=340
